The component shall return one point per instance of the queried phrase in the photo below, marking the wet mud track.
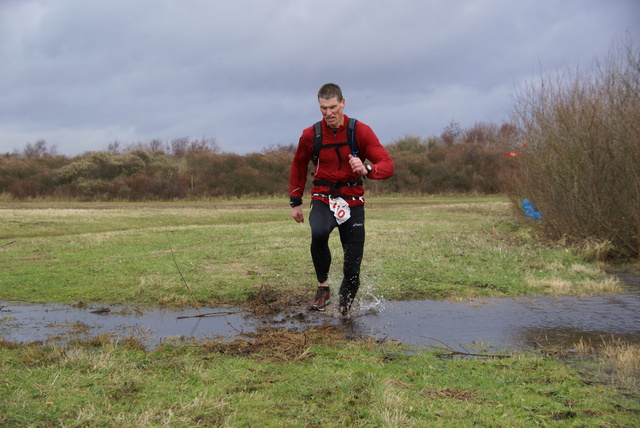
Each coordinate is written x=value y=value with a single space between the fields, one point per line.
x=492 y=323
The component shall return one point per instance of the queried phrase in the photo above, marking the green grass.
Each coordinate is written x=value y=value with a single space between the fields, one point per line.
x=228 y=251
x=418 y=247
x=343 y=383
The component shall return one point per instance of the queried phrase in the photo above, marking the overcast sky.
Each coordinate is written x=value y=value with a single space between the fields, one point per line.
x=82 y=74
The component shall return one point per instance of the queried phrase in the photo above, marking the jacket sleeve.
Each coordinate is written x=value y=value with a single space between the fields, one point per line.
x=300 y=164
x=370 y=149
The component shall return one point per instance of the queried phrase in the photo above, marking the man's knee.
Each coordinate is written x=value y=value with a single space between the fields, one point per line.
x=320 y=235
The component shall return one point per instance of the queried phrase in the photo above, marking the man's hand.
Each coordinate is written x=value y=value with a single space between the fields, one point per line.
x=357 y=166
x=296 y=213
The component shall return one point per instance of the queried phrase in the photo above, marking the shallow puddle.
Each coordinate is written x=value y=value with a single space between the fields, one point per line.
x=491 y=323
x=500 y=323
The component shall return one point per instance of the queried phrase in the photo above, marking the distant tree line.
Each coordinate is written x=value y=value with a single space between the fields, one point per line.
x=458 y=161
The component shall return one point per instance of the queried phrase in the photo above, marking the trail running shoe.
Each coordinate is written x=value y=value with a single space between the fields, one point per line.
x=321 y=300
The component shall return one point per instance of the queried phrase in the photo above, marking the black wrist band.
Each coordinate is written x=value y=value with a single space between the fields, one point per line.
x=294 y=202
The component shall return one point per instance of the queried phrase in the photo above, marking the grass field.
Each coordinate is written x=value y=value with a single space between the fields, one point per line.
x=233 y=252
x=229 y=250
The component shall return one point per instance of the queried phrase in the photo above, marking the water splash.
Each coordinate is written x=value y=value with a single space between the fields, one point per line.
x=370 y=301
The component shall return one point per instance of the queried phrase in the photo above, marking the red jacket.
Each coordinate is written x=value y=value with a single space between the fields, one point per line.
x=334 y=166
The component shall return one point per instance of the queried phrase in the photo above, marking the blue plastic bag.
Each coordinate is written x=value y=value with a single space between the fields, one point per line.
x=530 y=211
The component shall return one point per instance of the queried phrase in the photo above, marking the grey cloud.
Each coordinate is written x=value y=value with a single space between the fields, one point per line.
x=82 y=74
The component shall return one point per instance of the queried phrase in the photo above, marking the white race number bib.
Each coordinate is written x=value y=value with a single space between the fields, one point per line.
x=340 y=208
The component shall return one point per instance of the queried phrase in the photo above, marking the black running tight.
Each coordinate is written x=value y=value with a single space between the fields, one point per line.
x=322 y=222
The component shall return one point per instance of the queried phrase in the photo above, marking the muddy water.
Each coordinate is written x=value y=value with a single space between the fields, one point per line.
x=491 y=323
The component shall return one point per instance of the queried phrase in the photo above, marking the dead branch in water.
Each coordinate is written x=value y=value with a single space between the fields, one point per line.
x=210 y=314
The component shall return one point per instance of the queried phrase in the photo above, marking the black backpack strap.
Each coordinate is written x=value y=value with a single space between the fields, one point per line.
x=317 y=141
x=351 y=139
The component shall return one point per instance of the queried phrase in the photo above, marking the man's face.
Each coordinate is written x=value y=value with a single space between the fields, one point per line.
x=331 y=110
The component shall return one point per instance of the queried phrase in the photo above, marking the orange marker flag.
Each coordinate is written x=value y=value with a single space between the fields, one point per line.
x=518 y=152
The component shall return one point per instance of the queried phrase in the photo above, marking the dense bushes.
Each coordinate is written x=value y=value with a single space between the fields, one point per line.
x=461 y=168
x=196 y=170
x=581 y=167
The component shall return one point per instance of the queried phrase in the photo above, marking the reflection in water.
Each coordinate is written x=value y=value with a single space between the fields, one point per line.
x=497 y=323
x=30 y=323
x=510 y=322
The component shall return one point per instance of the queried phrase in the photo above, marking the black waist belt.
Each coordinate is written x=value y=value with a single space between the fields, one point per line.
x=333 y=186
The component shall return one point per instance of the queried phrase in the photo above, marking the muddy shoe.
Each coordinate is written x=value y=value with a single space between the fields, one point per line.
x=321 y=300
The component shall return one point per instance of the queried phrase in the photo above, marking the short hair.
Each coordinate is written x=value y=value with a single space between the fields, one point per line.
x=330 y=90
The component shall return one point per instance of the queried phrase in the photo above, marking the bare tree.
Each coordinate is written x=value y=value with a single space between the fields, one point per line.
x=205 y=145
x=156 y=145
x=179 y=146
x=481 y=133
x=451 y=133
x=37 y=150
x=114 y=147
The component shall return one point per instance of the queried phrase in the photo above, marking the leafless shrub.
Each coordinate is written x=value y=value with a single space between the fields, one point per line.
x=581 y=167
x=451 y=133
x=38 y=149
